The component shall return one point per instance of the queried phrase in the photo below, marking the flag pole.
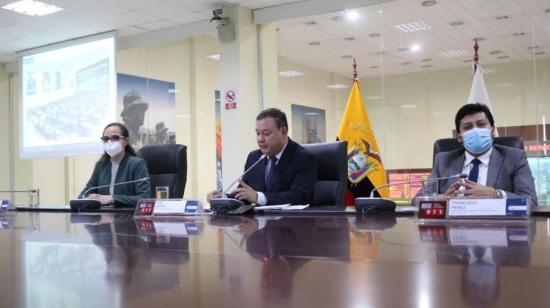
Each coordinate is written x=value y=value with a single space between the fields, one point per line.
x=355 y=70
x=476 y=56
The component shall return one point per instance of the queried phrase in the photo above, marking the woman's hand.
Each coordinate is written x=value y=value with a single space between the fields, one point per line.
x=103 y=199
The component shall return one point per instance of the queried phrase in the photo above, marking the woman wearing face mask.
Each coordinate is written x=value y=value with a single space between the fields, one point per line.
x=118 y=164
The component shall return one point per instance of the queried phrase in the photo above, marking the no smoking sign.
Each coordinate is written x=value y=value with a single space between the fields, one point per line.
x=230 y=99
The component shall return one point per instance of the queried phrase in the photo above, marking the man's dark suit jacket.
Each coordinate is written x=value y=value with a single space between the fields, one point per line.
x=293 y=179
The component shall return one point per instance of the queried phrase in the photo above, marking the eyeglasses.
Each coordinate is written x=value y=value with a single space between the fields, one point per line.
x=104 y=139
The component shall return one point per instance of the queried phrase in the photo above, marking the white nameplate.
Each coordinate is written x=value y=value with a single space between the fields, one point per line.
x=477 y=207
x=478 y=237
x=5 y=204
x=163 y=207
x=170 y=228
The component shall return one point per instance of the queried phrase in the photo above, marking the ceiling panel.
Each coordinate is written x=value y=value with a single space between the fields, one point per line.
x=85 y=17
x=479 y=18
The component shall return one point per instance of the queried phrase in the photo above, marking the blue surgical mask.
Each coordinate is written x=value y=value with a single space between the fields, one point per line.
x=477 y=140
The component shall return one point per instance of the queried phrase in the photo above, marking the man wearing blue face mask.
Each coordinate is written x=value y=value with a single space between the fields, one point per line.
x=493 y=170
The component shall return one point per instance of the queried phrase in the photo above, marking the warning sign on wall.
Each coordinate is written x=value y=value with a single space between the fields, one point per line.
x=230 y=98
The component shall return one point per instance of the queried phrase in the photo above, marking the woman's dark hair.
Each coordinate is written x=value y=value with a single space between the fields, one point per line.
x=124 y=133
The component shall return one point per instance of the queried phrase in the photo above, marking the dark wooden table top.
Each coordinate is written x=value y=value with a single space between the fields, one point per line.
x=111 y=260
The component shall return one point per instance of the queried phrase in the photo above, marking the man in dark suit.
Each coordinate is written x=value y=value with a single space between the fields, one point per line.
x=286 y=173
x=493 y=170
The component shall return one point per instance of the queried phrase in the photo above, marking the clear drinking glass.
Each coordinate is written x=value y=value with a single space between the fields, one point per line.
x=34 y=197
x=162 y=192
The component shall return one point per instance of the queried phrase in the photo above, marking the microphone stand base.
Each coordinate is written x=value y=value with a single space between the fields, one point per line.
x=374 y=206
x=84 y=205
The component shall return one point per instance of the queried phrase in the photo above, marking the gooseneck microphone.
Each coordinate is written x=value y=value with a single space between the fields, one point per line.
x=83 y=195
x=84 y=205
x=374 y=204
x=458 y=175
x=225 y=205
x=245 y=172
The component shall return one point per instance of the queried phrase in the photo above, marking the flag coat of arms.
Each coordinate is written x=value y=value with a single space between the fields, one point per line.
x=365 y=168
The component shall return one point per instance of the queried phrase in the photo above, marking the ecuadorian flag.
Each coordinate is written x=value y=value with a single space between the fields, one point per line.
x=365 y=168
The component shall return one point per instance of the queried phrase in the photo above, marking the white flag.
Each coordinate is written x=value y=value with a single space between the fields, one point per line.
x=478 y=92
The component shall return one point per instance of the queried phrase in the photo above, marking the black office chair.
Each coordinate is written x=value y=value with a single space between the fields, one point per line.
x=332 y=179
x=449 y=144
x=167 y=164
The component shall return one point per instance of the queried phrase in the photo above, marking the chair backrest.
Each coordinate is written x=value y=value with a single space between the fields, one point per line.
x=167 y=164
x=332 y=179
x=449 y=144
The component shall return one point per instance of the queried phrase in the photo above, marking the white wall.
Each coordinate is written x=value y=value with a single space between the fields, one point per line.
x=4 y=130
x=519 y=96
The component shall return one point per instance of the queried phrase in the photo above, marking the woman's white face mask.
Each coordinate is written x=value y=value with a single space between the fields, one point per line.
x=112 y=148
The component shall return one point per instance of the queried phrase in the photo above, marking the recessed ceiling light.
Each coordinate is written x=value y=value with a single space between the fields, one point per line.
x=347 y=56
x=519 y=33
x=503 y=17
x=215 y=57
x=456 y=23
x=311 y=23
x=311 y=113
x=337 y=18
x=351 y=38
x=351 y=15
x=337 y=86
x=428 y=3
x=290 y=73
x=407 y=106
x=426 y=60
x=503 y=57
x=314 y=43
x=32 y=8
x=403 y=49
x=376 y=34
x=417 y=26
x=374 y=67
x=415 y=47
x=455 y=53
x=375 y=97
x=479 y=39
x=426 y=66
x=495 y=52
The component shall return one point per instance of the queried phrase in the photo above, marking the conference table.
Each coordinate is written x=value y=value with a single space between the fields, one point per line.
x=61 y=259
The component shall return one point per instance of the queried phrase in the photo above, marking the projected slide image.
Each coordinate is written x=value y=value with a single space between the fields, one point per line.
x=72 y=117
x=68 y=98
x=147 y=107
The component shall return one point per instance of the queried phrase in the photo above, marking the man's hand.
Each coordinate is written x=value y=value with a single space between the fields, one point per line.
x=213 y=194
x=452 y=191
x=477 y=190
x=245 y=192
x=103 y=199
